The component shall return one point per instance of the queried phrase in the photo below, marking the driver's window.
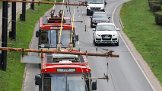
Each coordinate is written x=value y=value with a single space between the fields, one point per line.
x=44 y=38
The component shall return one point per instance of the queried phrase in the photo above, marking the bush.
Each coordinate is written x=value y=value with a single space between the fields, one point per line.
x=158 y=18
x=155 y=5
x=161 y=1
x=154 y=1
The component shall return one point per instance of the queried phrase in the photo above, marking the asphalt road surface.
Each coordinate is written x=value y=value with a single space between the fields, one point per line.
x=124 y=73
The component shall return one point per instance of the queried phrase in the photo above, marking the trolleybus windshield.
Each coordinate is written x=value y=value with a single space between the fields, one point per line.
x=64 y=82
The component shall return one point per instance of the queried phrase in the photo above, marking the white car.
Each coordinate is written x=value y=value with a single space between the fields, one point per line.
x=106 y=33
x=95 y=5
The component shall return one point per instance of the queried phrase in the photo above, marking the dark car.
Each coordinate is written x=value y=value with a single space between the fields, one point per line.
x=99 y=17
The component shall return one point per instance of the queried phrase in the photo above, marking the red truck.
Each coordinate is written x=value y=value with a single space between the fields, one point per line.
x=49 y=32
x=65 y=72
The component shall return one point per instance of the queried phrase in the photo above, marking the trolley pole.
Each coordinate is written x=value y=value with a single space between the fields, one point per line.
x=3 y=60
x=12 y=34
x=23 y=15
x=32 y=5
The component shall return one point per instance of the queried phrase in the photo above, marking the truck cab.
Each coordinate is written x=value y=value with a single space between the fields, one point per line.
x=95 y=5
x=49 y=32
x=65 y=72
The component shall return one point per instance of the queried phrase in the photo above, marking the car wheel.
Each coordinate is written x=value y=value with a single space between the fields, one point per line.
x=92 y=25
x=117 y=44
x=95 y=43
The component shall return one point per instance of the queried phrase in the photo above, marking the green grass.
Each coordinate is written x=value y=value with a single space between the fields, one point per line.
x=140 y=27
x=0 y=5
x=11 y=80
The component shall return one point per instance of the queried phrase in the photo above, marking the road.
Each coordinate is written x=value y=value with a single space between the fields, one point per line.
x=124 y=72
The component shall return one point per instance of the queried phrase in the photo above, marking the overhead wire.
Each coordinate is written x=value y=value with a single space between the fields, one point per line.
x=72 y=32
x=81 y=41
x=62 y=19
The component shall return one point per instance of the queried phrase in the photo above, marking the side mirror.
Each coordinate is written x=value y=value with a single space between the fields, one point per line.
x=86 y=2
x=37 y=33
x=94 y=29
x=94 y=85
x=38 y=79
x=105 y=3
x=77 y=37
x=117 y=29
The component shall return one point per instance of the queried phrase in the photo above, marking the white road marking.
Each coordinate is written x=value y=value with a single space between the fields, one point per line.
x=130 y=50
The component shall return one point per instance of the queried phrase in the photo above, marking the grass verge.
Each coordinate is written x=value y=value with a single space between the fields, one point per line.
x=11 y=80
x=0 y=5
x=140 y=27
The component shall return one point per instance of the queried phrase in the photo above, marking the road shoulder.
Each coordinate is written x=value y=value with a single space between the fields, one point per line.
x=145 y=67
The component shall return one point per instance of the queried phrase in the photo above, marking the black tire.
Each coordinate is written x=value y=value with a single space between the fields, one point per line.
x=95 y=43
x=88 y=12
x=92 y=25
x=117 y=44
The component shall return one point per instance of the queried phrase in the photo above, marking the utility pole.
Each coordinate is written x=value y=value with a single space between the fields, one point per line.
x=3 y=59
x=12 y=33
x=32 y=5
x=23 y=15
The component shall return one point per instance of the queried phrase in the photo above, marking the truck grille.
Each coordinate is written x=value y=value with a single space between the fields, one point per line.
x=106 y=37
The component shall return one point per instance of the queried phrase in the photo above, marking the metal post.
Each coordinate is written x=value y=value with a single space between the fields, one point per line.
x=12 y=34
x=3 y=61
x=32 y=5
x=23 y=15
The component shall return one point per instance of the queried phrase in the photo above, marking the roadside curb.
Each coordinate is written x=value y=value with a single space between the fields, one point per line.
x=26 y=65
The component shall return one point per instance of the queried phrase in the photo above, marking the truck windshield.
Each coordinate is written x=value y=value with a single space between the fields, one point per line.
x=49 y=39
x=51 y=58
x=62 y=82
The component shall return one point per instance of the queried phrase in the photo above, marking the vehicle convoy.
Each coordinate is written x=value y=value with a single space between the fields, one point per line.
x=65 y=72
x=106 y=33
x=95 y=5
x=99 y=17
x=49 y=30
